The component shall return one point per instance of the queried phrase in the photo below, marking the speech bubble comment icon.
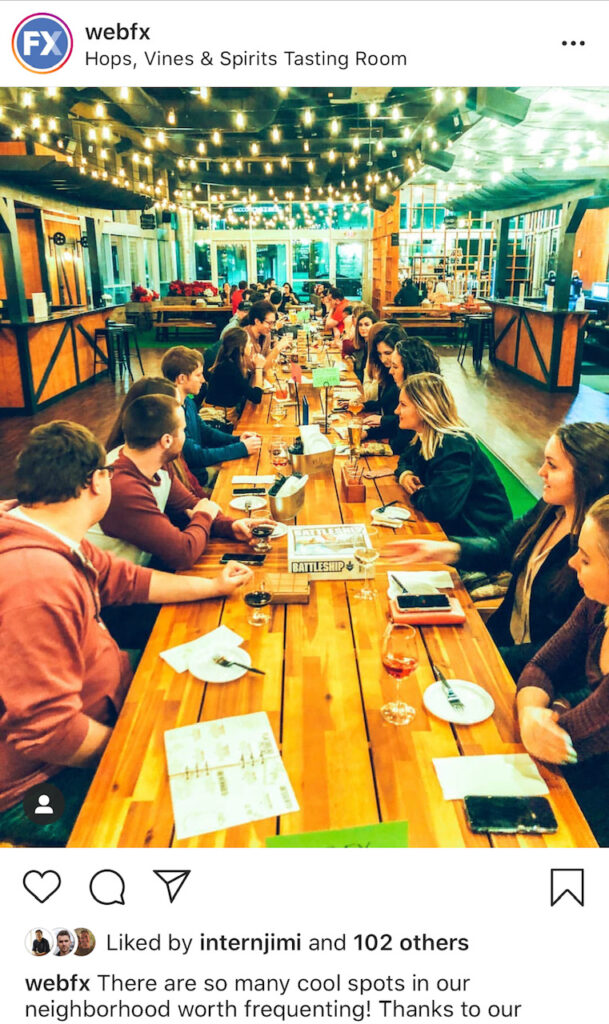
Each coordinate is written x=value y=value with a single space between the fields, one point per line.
x=107 y=887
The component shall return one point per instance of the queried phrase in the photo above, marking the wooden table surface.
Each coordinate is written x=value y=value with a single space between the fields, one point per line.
x=323 y=688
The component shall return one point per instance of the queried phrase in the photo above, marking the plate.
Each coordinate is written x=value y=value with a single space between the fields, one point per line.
x=202 y=666
x=394 y=512
x=279 y=531
x=479 y=705
x=254 y=502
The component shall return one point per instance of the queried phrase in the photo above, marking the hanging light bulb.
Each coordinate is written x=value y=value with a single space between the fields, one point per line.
x=331 y=156
x=36 y=122
x=27 y=99
x=171 y=116
x=192 y=165
x=268 y=167
x=100 y=110
x=51 y=91
x=284 y=161
x=91 y=135
x=334 y=126
x=147 y=143
x=310 y=166
x=308 y=117
x=181 y=164
x=160 y=137
x=204 y=92
x=201 y=148
x=395 y=113
x=438 y=95
x=124 y=92
x=373 y=109
x=215 y=138
x=240 y=120
x=275 y=134
x=224 y=167
x=254 y=149
x=352 y=161
x=459 y=95
x=379 y=146
x=238 y=165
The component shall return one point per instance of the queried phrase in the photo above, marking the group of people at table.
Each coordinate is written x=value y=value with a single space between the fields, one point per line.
x=90 y=546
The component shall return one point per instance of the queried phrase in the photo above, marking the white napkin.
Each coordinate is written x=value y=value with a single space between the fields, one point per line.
x=489 y=775
x=218 y=641
x=292 y=485
x=253 y=480
x=313 y=441
x=440 y=580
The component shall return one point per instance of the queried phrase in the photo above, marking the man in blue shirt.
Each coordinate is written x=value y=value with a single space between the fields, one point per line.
x=204 y=445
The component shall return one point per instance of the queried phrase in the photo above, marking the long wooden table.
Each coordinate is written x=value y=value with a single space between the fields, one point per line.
x=323 y=688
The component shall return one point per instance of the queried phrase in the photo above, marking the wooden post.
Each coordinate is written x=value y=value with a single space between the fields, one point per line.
x=501 y=256
x=16 y=304
x=572 y=216
x=94 y=248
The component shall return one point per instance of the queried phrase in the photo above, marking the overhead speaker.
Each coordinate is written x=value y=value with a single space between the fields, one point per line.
x=502 y=105
x=439 y=158
x=382 y=204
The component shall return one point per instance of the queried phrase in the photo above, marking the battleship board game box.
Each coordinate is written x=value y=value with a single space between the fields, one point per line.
x=329 y=552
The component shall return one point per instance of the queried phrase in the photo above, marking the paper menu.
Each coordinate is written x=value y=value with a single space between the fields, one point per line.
x=440 y=579
x=218 y=641
x=224 y=773
x=489 y=775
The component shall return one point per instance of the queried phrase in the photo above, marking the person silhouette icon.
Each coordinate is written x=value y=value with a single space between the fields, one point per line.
x=44 y=805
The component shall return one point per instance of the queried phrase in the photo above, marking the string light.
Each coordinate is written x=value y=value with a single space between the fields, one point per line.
x=275 y=134
x=254 y=149
x=284 y=161
x=395 y=113
x=238 y=165
x=171 y=116
x=124 y=92
x=334 y=126
x=27 y=99
x=100 y=110
x=438 y=95
x=202 y=148
x=161 y=137
x=240 y=120
x=308 y=117
x=215 y=138
x=51 y=91
x=373 y=109
x=204 y=92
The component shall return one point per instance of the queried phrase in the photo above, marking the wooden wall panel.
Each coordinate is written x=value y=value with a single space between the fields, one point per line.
x=592 y=240
x=11 y=391
x=30 y=255
x=507 y=346
x=542 y=328
x=385 y=257
x=568 y=351
x=43 y=341
x=73 y=267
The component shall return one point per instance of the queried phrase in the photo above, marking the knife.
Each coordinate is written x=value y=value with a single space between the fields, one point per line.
x=451 y=696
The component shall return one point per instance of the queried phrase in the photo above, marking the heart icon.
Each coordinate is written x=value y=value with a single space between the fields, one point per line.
x=41 y=884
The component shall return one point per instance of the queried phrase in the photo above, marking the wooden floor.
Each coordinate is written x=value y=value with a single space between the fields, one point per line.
x=511 y=416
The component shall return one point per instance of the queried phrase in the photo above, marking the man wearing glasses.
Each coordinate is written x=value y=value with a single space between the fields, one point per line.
x=63 y=678
x=259 y=325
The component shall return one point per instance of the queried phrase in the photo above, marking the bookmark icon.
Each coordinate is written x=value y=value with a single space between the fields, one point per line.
x=174 y=880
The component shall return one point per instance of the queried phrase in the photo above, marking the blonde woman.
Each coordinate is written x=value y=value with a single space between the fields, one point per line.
x=563 y=693
x=443 y=471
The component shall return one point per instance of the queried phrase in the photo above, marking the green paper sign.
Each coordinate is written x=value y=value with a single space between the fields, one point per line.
x=389 y=834
x=326 y=376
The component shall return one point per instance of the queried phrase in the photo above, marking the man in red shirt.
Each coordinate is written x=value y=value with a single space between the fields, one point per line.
x=338 y=305
x=63 y=677
x=137 y=523
x=238 y=295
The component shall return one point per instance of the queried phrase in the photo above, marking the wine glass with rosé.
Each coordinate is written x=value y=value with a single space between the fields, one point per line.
x=400 y=659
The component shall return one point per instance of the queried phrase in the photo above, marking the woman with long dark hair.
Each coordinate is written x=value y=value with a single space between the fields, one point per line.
x=288 y=298
x=544 y=588
x=410 y=356
x=356 y=348
x=228 y=385
x=382 y=339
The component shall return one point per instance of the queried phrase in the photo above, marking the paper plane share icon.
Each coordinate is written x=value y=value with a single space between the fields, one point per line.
x=174 y=880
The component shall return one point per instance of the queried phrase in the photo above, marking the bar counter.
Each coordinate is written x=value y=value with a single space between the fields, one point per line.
x=43 y=360
x=543 y=345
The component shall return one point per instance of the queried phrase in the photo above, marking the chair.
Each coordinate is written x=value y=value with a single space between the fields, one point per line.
x=479 y=332
x=117 y=337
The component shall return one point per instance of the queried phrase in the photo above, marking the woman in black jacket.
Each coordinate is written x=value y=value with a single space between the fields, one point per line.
x=443 y=471
x=544 y=590
x=228 y=385
x=410 y=355
x=382 y=339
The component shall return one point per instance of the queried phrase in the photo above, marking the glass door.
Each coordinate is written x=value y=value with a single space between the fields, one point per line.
x=310 y=264
x=232 y=264
x=350 y=268
x=271 y=261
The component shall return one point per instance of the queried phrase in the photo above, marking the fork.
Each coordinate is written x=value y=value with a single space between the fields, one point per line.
x=454 y=701
x=225 y=663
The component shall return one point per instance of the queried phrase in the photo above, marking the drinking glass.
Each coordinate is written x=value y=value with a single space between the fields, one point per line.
x=278 y=410
x=261 y=530
x=400 y=659
x=280 y=457
x=366 y=557
x=257 y=598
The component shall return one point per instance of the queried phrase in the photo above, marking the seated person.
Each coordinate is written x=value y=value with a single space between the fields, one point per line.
x=410 y=355
x=536 y=548
x=260 y=324
x=408 y=294
x=205 y=445
x=443 y=471
x=238 y=295
x=64 y=679
x=136 y=524
x=382 y=339
x=337 y=306
x=355 y=337
x=235 y=321
x=563 y=693
x=229 y=387
x=288 y=298
x=116 y=438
